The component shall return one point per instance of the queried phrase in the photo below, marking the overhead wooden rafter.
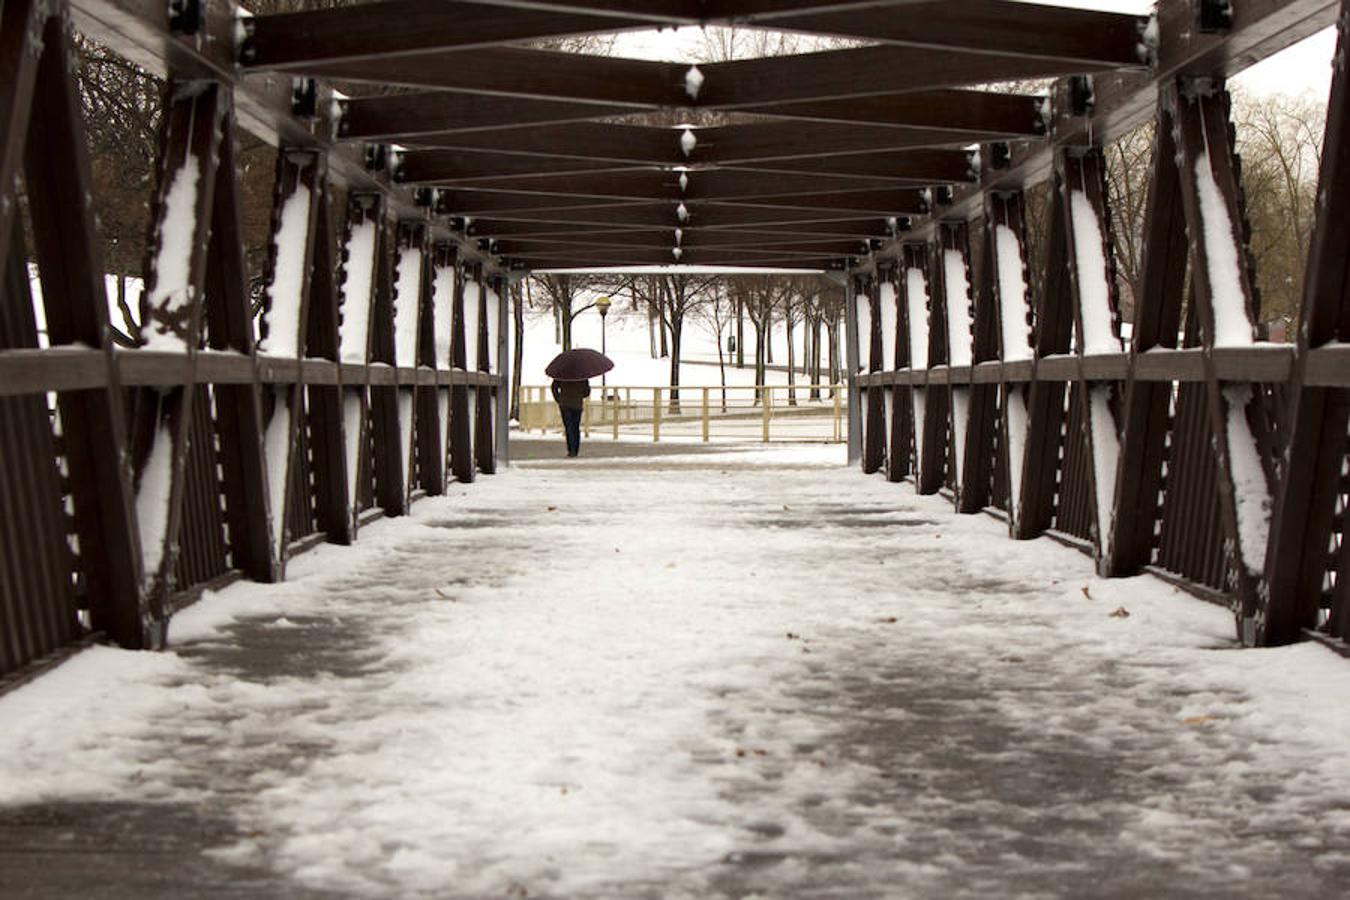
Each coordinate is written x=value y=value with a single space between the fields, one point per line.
x=516 y=141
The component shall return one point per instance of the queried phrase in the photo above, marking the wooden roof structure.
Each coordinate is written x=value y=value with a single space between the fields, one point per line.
x=534 y=152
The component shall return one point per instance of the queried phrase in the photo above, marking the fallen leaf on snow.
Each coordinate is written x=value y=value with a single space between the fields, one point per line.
x=889 y=620
x=1199 y=720
x=1086 y=592
x=1120 y=612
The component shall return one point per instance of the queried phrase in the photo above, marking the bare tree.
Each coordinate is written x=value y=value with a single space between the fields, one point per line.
x=562 y=293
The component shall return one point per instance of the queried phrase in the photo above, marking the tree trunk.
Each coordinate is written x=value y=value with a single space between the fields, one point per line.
x=722 y=368
x=663 y=305
x=651 y=330
x=815 y=357
x=791 y=363
x=566 y=317
x=760 y=361
x=768 y=337
x=740 y=334
x=676 y=333
x=557 y=325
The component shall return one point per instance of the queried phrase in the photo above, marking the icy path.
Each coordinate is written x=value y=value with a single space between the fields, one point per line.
x=726 y=674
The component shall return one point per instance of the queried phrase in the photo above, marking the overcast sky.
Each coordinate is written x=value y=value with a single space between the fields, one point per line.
x=1304 y=67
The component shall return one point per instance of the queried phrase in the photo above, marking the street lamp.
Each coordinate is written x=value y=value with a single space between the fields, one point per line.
x=602 y=304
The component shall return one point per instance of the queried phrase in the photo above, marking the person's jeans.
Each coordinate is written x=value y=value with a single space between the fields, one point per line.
x=572 y=426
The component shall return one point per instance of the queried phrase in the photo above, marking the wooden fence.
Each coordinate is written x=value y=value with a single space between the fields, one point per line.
x=1193 y=450
x=134 y=478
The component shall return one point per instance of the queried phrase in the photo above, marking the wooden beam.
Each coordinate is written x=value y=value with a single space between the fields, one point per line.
x=641 y=84
x=985 y=114
x=1088 y=37
x=405 y=116
x=488 y=228
x=404 y=28
x=913 y=167
x=657 y=184
x=727 y=145
x=894 y=202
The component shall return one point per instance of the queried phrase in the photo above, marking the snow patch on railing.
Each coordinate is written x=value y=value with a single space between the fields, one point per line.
x=1251 y=493
x=1232 y=327
x=863 y=304
x=890 y=315
x=1017 y=445
x=172 y=295
x=1094 y=284
x=152 y=501
x=957 y=287
x=360 y=268
x=442 y=303
x=407 y=284
x=1105 y=457
x=916 y=289
x=1012 y=294
x=352 y=410
x=288 y=278
x=276 y=447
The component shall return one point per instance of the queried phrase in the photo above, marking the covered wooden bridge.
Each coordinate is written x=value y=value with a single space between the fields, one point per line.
x=762 y=675
x=226 y=442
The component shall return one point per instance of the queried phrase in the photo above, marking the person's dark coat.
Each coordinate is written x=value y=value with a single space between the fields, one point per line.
x=571 y=394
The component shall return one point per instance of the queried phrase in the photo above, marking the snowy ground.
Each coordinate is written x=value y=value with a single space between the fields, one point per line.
x=719 y=672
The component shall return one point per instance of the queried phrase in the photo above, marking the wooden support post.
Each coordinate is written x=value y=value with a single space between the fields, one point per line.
x=705 y=415
x=900 y=421
x=37 y=591
x=21 y=47
x=445 y=274
x=430 y=431
x=93 y=422
x=870 y=347
x=362 y=249
x=767 y=407
x=410 y=289
x=1146 y=413
x=485 y=437
x=461 y=416
x=1226 y=306
x=171 y=321
x=1006 y=239
x=332 y=504
x=852 y=361
x=615 y=401
x=656 y=415
x=1311 y=472
x=934 y=446
x=501 y=413
x=1092 y=278
x=912 y=280
x=1045 y=398
x=387 y=445
x=229 y=327
x=296 y=199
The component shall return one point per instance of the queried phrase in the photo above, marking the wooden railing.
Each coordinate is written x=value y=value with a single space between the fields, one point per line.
x=1193 y=449
x=812 y=413
x=229 y=439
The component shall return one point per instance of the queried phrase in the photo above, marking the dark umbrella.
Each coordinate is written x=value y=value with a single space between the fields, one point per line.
x=578 y=365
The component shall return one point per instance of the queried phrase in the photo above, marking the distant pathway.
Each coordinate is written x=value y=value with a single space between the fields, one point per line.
x=679 y=672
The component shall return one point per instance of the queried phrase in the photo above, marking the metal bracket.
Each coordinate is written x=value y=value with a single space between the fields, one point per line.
x=185 y=17
x=1215 y=16
x=304 y=97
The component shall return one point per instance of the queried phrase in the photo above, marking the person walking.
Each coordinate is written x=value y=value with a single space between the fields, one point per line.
x=571 y=399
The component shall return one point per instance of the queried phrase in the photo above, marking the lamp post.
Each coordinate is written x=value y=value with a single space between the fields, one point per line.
x=602 y=304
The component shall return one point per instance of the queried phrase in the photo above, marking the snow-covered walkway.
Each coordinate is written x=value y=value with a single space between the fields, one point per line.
x=712 y=673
